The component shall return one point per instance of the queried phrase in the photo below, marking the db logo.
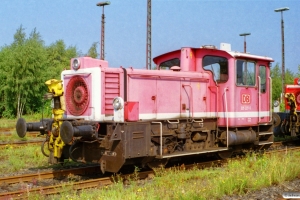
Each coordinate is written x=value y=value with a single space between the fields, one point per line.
x=246 y=99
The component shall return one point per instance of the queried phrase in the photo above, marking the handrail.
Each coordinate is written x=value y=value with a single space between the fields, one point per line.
x=259 y=99
x=191 y=103
x=201 y=121
x=177 y=122
x=200 y=79
x=160 y=134
x=270 y=99
x=226 y=109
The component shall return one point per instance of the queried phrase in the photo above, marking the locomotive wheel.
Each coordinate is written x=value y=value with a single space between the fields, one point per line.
x=224 y=154
x=276 y=119
x=45 y=149
x=157 y=163
x=75 y=151
x=65 y=154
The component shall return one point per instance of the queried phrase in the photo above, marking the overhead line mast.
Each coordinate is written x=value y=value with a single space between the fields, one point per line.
x=102 y=4
x=148 y=45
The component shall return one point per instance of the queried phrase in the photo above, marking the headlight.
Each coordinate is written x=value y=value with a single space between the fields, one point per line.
x=76 y=64
x=276 y=103
x=118 y=103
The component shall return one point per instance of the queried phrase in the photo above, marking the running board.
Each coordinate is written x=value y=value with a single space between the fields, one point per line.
x=266 y=133
x=264 y=143
x=177 y=154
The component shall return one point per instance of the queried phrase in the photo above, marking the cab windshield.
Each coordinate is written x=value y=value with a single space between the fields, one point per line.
x=245 y=73
x=218 y=66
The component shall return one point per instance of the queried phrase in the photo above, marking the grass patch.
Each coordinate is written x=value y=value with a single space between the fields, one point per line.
x=13 y=138
x=17 y=159
x=285 y=138
x=237 y=177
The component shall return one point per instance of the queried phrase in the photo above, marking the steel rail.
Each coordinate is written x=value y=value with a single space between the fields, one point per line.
x=20 y=143
x=49 y=174
x=100 y=182
x=10 y=132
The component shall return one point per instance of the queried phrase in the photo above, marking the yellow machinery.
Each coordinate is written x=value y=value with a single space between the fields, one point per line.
x=50 y=127
x=55 y=144
x=293 y=118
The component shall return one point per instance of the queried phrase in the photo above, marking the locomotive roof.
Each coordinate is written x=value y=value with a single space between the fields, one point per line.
x=247 y=55
x=235 y=54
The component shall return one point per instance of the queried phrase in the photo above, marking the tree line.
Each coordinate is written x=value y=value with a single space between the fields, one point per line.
x=27 y=63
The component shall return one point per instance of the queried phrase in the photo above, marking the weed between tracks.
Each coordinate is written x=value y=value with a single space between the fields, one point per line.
x=15 y=159
x=237 y=177
x=13 y=138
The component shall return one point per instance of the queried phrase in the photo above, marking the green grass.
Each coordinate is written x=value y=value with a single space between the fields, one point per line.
x=13 y=138
x=237 y=177
x=17 y=159
x=11 y=123
x=285 y=138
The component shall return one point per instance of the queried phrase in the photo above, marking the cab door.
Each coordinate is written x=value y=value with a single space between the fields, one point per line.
x=246 y=96
x=263 y=82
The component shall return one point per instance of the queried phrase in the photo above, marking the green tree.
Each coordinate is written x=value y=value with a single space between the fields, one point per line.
x=25 y=65
x=298 y=74
x=276 y=82
x=22 y=66
x=93 y=50
x=289 y=77
x=4 y=54
x=58 y=58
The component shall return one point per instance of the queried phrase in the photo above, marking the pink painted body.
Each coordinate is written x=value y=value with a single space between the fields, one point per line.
x=189 y=93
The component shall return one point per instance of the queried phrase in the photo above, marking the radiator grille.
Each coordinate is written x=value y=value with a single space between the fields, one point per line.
x=112 y=90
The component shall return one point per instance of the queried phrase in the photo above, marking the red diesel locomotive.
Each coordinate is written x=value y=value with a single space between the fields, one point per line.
x=197 y=101
x=288 y=122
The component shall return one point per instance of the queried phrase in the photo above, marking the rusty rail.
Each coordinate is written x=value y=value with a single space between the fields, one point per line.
x=99 y=182
x=20 y=143
x=49 y=174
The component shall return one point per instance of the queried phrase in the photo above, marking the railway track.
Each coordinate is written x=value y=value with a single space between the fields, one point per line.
x=49 y=175
x=91 y=183
x=20 y=143
x=9 y=133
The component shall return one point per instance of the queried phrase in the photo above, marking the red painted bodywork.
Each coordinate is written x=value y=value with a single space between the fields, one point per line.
x=131 y=111
x=191 y=92
x=294 y=89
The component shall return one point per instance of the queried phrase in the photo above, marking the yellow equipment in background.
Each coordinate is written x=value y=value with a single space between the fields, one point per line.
x=53 y=147
x=294 y=119
x=55 y=144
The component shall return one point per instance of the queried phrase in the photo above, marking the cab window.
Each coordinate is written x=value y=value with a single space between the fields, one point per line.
x=169 y=63
x=245 y=73
x=218 y=66
x=263 y=78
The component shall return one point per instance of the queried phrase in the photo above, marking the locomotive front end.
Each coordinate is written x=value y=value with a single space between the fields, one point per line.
x=82 y=98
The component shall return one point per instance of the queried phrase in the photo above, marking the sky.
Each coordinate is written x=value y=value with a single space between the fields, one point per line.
x=175 y=24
